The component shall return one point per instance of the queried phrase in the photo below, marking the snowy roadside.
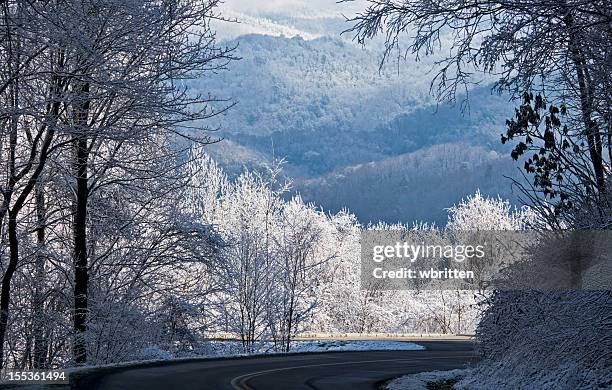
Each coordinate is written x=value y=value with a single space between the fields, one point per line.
x=228 y=349
x=354 y=345
x=492 y=376
x=439 y=380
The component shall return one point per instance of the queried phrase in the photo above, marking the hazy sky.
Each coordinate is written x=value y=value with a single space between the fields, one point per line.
x=299 y=8
x=273 y=17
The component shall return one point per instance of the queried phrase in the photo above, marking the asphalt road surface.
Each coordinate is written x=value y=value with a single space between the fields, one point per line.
x=331 y=370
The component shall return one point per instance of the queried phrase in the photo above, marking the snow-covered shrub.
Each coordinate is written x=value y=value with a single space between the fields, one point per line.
x=117 y=332
x=549 y=339
x=545 y=340
x=153 y=352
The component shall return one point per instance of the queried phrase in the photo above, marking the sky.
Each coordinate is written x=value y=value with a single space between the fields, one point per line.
x=312 y=8
x=307 y=18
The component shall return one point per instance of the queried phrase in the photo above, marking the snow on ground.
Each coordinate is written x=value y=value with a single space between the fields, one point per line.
x=221 y=348
x=232 y=347
x=348 y=345
x=419 y=381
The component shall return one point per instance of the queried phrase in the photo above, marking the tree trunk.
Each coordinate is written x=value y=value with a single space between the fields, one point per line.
x=40 y=343
x=586 y=106
x=5 y=296
x=79 y=227
x=5 y=293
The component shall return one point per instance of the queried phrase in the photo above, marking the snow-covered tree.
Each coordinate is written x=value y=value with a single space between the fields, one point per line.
x=477 y=212
x=92 y=105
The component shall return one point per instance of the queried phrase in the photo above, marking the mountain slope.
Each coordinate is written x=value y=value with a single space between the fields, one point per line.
x=291 y=83
x=413 y=186
x=323 y=104
x=324 y=107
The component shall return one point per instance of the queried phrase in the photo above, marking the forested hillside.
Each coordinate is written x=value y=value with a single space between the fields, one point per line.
x=414 y=186
x=324 y=107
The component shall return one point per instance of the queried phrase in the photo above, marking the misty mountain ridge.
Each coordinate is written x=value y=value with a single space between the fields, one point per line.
x=323 y=106
x=416 y=186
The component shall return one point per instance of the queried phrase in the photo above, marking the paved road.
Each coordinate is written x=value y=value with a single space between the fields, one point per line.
x=331 y=370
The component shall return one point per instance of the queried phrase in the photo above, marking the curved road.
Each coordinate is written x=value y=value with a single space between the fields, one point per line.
x=330 y=370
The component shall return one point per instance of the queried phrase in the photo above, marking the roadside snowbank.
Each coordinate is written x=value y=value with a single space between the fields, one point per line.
x=421 y=380
x=544 y=340
x=346 y=345
x=234 y=348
